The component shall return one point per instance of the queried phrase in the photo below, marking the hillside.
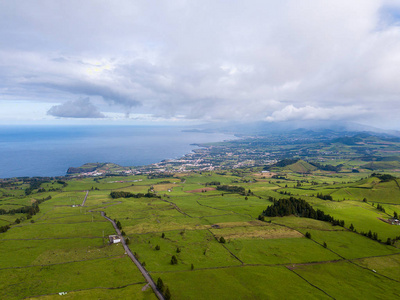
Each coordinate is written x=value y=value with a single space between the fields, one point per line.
x=300 y=167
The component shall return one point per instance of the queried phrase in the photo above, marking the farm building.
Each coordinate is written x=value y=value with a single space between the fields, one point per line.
x=114 y=239
x=394 y=221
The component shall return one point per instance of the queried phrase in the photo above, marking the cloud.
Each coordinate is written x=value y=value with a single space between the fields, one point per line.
x=290 y=113
x=81 y=108
x=209 y=60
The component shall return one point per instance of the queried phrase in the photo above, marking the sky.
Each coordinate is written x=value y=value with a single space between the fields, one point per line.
x=190 y=62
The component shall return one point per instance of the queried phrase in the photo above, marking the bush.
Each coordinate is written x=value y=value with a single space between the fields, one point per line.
x=222 y=240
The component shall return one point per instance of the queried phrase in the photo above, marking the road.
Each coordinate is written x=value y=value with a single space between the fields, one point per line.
x=145 y=274
x=84 y=200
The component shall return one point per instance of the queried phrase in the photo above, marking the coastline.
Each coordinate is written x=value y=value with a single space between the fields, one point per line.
x=50 y=152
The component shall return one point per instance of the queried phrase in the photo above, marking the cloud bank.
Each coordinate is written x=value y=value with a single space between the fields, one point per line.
x=81 y=108
x=208 y=60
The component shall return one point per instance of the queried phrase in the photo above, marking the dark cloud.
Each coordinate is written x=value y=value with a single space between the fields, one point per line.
x=81 y=108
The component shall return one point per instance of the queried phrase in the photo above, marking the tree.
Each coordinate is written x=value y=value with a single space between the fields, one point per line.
x=127 y=241
x=395 y=215
x=308 y=235
x=160 y=285
x=174 y=260
x=178 y=250
x=351 y=227
x=222 y=240
x=325 y=245
x=167 y=294
x=192 y=267
x=17 y=221
x=158 y=247
x=119 y=226
x=163 y=235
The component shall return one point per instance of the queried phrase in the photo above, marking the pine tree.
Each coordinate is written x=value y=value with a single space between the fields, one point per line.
x=160 y=285
x=167 y=294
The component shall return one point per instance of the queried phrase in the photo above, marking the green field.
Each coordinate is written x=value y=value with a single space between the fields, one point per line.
x=222 y=250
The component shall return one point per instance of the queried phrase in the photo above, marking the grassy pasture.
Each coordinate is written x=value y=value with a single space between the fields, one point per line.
x=251 y=231
x=49 y=230
x=386 y=265
x=358 y=283
x=198 y=247
x=52 y=279
x=279 y=251
x=63 y=250
x=239 y=283
x=133 y=291
x=53 y=251
x=363 y=216
x=351 y=245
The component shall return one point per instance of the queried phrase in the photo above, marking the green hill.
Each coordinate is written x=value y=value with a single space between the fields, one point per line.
x=300 y=166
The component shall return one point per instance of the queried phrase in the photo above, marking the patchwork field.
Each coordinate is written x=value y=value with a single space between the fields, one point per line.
x=202 y=240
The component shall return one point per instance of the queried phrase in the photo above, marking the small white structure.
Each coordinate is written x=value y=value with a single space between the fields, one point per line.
x=114 y=239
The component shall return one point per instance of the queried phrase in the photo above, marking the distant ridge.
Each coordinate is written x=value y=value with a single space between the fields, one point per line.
x=325 y=127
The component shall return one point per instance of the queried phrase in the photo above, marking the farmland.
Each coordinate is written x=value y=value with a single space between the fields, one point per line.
x=210 y=222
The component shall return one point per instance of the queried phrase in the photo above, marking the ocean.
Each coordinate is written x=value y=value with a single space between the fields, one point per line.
x=51 y=150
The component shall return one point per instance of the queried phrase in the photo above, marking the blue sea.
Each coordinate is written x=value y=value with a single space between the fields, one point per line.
x=51 y=150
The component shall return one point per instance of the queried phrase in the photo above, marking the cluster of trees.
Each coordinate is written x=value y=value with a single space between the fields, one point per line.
x=33 y=185
x=383 y=177
x=4 y=228
x=232 y=189
x=328 y=168
x=285 y=193
x=298 y=207
x=30 y=210
x=380 y=207
x=278 y=177
x=122 y=194
x=282 y=163
x=159 y=175
x=324 y=197
x=163 y=289
x=371 y=235
x=213 y=183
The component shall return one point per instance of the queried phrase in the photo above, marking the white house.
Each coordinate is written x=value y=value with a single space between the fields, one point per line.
x=114 y=239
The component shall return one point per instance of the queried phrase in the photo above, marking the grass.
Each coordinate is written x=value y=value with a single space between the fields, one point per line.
x=198 y=247
x=51 y=279
x=358 y=283
x=133 y=291
x=279 y=251
x=239 y=283
x=351 y=245
x=387 y=265
x=22 y=253
x=63 y=249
